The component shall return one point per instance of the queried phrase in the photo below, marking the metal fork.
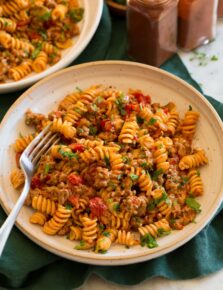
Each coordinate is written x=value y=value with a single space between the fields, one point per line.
x=28 y=162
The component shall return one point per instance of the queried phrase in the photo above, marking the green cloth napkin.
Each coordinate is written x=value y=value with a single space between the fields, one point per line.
x=24 y=265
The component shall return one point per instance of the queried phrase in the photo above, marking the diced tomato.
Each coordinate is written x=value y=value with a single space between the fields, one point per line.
x=135 y=137
x=97 y=207
x=35 y=182
x=166 y=110
x=74 y=200
x=142 y=98
x=74 y=179
x=106 y=125
x=34 y=35
x=77 y=147
x=17 y=157
x=131 y=107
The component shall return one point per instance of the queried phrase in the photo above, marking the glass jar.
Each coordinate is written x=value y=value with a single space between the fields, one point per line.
x=152 y=30
x=196 y=22
x=220 y=8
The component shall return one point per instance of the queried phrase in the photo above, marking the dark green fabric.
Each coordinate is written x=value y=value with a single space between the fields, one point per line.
x=24 y=265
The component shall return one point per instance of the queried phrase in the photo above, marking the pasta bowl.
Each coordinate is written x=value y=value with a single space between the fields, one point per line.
x=87 y=26
x=163 y=87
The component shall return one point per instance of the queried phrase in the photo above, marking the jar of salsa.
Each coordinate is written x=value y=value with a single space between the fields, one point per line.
x=152 y=30
x=196 y=22
x=220 y=8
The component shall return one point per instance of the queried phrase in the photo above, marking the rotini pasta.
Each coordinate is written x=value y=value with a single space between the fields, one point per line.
x=125 y=171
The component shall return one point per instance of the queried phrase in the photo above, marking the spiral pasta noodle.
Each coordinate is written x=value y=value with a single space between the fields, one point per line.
x=20 y=71
x=58 y=220
x=193 y=161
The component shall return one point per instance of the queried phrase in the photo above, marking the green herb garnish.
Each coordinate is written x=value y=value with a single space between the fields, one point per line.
x=133 y=176
x=106 y=234
x=47 y=168
x=76 y=14
x=157 y=173
x=36 y=51
x=139 y=120
x=149 y=241
x=162 y=232
x=190 y=108
x=152 y=121
x=70 y=155
x=192 y=203
x=93 y=130
x=45 y=17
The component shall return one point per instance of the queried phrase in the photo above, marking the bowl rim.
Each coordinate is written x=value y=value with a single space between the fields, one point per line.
x=133 y=258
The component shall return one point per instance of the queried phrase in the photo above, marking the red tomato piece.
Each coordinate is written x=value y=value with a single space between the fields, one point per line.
x=77 y=147
x=97 y=206
x=166 y=110
x=74 y=200
x=106 y=125
x=34 y=35
x=141 y=98
x=35 y=182
x=74 y=179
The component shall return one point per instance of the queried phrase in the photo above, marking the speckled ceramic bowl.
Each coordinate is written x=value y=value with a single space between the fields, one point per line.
x=162 y=87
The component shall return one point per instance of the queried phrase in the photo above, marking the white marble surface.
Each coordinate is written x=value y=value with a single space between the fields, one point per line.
x=209 y=74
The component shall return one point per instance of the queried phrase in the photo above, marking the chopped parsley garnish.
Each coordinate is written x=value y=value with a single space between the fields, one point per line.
x=99 y=99
x=107 y=161
x=184 y=181
x=94 y=107
x=106 y=234
x=162 y=232
x=139 y=120
x=47 y=168
x=93 y=130
x=119 y=176
x=68 y=206
x=36 y=51
x=70 y=155
x=192 y=203
x=198 y=173
x=120 y=105
x=157 y=173
x=80 y=246
x=43 y=34
x=151 y=205
x=125 y=159
x=101 y=227
x=190 y=108
x=133 y=176
x=116 y=207
x=149 y=241
x=214 y=58
x=76 y=14
x=45 y=17
x=152 y=121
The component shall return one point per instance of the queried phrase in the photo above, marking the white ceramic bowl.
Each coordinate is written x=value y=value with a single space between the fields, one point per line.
x=163 y=87
x=88 y=26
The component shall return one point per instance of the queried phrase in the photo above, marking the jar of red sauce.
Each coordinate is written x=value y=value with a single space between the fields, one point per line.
x=196 y=22
x=220 y=8
x=152 y=30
